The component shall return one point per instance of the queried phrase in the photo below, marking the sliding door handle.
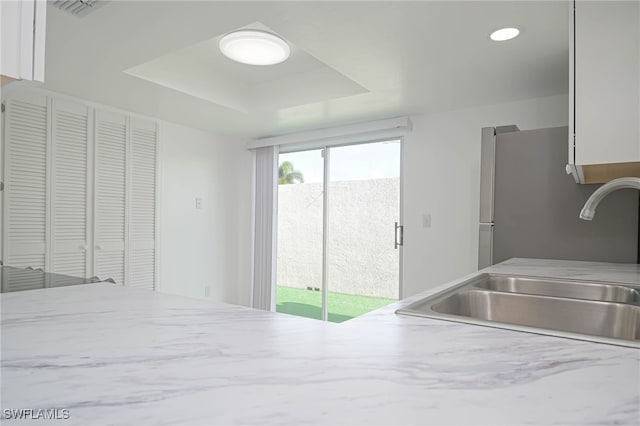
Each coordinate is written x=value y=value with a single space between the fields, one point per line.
x=398 y=236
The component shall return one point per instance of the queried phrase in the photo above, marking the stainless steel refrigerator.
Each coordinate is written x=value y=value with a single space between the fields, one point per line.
x=529 y=206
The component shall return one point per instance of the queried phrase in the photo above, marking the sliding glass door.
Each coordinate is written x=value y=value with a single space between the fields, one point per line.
x=364 y=205
x=338 y=210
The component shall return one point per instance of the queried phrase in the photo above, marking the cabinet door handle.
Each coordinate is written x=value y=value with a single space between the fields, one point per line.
x=99 y=247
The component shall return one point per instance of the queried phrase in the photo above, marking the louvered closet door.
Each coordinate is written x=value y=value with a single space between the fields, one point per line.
x=142 y=203
x=25 y=202
x=110 y=195
x=69 y=197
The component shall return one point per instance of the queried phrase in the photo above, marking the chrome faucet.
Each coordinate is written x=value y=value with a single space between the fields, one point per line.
x=589 y=209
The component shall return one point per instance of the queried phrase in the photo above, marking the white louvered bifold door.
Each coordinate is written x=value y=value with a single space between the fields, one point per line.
x=25 y=203
x=142 y=223
x=110 y=225
x=69 y=190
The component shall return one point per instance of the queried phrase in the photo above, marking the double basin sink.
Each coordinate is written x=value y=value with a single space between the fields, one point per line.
x=586 y=310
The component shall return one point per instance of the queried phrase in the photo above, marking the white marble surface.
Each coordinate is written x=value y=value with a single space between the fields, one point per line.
x=114 y=355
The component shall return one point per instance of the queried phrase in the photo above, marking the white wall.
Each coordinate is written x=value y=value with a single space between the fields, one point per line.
x=442 y=171
x=208 y=247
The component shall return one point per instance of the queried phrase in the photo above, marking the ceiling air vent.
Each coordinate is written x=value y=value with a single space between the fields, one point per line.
x=77 y=7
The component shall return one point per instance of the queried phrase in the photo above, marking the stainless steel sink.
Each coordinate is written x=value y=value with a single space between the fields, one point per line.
x=586 y=310
x=606 y=292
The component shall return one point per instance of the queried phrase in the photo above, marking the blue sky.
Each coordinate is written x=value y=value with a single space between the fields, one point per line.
x=353 y=162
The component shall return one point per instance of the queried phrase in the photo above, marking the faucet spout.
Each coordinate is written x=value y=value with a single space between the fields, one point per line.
x=589 y=209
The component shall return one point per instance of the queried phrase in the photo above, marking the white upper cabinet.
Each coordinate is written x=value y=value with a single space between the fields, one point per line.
x=23 y=39
x=605 y=90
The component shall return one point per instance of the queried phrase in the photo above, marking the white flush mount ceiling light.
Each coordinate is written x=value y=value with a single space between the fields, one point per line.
x=504 y=34
x=254 y=47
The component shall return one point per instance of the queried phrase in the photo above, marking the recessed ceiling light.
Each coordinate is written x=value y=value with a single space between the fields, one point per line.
x=254 y=47
x=504 y=34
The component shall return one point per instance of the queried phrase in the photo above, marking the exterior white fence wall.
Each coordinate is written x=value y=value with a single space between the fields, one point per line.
x=361 y=255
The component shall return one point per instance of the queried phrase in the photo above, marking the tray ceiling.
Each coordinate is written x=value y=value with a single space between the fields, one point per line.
x=202 y=71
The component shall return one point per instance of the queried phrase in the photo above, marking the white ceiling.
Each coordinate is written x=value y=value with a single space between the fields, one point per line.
x=352 y=61
x=203 y=71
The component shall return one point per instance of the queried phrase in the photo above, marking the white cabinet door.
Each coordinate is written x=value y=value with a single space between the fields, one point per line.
x=10 y=15
x=25 y=236
x=70 y=190
x=23 y=38
x=142 y=204
x=607 y=82
x=110 y=206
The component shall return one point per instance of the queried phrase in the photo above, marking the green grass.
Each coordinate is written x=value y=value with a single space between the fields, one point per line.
x=308 y=303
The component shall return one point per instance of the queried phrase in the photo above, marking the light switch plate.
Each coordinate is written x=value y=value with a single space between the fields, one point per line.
x=198 y=203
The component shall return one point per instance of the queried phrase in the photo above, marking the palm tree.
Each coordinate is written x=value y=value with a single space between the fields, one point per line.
x=287 y=174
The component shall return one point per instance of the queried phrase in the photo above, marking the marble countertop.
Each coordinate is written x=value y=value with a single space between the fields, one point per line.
x=115 y=355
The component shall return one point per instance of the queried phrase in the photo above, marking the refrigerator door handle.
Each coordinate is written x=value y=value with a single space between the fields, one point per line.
x=485 y=245
x=487 y=173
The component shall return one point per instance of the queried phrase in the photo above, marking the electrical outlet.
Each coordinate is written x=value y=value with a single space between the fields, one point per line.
x=198 y=203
